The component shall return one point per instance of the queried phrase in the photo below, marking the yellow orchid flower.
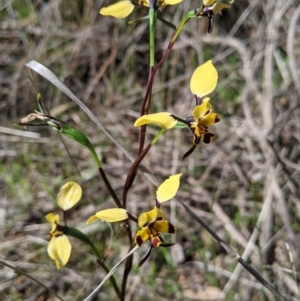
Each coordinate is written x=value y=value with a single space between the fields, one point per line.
x=210 y=8
x=203 y=81
x=69 y=195
x=199 y=123
x=153 y=222
x=59 y=247
x=124 y=8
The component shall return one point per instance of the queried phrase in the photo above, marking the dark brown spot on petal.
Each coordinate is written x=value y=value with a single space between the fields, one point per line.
x=217 y=119
x=57 y=234
x=171 y=228
x=207 y=137
x=60 y=228
x=138 y=240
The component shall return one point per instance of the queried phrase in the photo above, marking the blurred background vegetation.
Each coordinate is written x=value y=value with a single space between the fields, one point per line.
x=245 y=184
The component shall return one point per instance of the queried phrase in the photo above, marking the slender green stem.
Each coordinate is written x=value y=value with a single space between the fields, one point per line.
x=152 y=23
x=152 y=15
x=157 y=136
x=95 y=157
x=186 y=18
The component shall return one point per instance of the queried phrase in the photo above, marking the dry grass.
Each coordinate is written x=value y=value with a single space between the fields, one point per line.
x=245 y=184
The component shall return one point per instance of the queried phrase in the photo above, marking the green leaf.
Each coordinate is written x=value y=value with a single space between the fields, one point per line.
x=78 y=136
x=81 y=236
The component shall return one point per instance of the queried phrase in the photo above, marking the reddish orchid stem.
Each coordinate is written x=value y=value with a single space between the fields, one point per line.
x=145 y=108
x=128 y=264
x=142 y=152
x=132 y=173
x=146 y=101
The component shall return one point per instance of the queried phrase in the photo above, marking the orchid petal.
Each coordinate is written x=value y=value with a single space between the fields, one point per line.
x=207 y=137
x=141 y=236
x=92 y=219
x=118 y=10
x=168 y=188
x=69 y=195
x=164 y=227
x=162 y=119
x=110 y=215
x=53 y=219
x=202 y=110
x=204 y=79
x=150 y=217
x=210 y=119
x=59 y=249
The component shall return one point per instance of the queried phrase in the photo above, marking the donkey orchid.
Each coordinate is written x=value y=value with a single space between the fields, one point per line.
x=59 y=247
x=152 y=222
